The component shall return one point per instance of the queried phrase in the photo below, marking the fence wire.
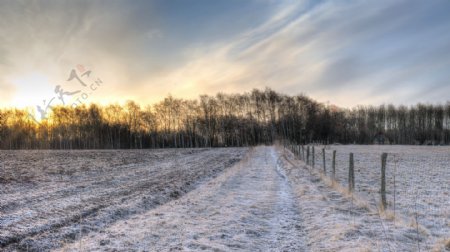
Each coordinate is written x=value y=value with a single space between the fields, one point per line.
x=417 y=183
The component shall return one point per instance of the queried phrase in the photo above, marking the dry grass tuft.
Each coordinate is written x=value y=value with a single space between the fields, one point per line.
x=442 y=245
x=388 y=215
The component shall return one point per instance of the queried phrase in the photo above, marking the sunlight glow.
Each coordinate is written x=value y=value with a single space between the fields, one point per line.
x=31 y=90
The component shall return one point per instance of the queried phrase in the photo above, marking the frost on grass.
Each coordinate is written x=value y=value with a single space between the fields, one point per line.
x=267 y=202
x=417 y=186
x=250 y=207
x=162 y=201
x=339 y=221
x=51 y=198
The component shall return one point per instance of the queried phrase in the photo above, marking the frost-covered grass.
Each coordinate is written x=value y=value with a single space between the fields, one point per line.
x=249 y=207
x=187 y=199
x=418 y=176
x=267 y=202
x=49 y=198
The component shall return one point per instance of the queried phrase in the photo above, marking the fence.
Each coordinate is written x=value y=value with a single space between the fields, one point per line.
x=408 y=184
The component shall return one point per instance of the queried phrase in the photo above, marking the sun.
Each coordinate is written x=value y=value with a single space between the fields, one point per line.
x=31 y=90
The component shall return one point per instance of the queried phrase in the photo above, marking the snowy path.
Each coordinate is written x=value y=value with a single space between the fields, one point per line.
x=267 y=202
x=249 y=207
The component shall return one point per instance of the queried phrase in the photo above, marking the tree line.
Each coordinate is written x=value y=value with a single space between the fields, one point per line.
x=256 y=117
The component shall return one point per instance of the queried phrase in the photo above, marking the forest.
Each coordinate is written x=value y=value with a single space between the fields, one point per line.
x=252 y=118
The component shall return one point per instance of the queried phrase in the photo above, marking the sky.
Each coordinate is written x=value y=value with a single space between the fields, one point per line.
x=345 y=52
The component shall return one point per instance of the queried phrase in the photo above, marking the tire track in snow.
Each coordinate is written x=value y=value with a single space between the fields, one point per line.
x=249 y=207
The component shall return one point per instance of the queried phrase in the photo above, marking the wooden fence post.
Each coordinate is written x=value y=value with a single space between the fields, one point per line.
x=324 y=164
x=300 y=152
x=313 y=157
x=383 y=180
x=307 y=155
x=351 y=174
x=303 y=152
x=333 y=164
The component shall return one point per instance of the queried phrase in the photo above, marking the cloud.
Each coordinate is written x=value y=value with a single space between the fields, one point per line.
x=154 y=34
x=345 y=52
x=52 y=37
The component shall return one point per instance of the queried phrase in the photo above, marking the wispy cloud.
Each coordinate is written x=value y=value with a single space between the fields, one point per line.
x=345 y=52
x=348 y=53
x=52 y=37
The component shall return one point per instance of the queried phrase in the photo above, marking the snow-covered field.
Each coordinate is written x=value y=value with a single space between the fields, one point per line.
x=267 y=202
x=418 y=177
x=233 y=199
x=49 y=198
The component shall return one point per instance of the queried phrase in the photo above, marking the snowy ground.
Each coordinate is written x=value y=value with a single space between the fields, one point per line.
x=191 y=200
x=418 y=177
x=45 y=195
x=267 y=202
